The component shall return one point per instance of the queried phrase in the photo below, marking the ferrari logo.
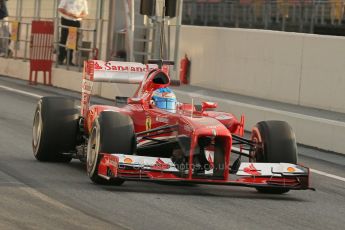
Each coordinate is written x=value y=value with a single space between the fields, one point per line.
x=148 y=123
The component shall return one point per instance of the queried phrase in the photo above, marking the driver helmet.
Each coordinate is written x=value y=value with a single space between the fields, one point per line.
x=164 y=98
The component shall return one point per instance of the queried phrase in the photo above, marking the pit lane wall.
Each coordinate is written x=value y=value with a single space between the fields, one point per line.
x=302 y=69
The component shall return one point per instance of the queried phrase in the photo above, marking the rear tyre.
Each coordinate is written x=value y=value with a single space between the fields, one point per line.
x=111 y=133
x=55 y=128
x=276 y=144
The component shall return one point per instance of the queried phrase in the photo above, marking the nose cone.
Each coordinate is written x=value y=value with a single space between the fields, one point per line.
x=208 y=126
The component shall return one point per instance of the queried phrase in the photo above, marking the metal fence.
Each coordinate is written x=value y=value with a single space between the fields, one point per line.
x=89 y=39
x=285 y=15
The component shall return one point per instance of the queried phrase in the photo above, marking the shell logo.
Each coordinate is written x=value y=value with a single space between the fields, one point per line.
x=291 y=169
x=128 y=160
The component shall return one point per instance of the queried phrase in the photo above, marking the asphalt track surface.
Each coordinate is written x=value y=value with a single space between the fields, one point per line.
x=35 y=195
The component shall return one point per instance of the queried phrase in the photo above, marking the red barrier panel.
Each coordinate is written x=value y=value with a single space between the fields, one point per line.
x=41 y=49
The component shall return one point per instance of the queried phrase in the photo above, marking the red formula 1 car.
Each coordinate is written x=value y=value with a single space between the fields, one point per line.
x=138 y=140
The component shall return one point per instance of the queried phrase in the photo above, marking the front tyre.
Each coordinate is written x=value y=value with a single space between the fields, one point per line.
x=276 y=143
x=111 y=133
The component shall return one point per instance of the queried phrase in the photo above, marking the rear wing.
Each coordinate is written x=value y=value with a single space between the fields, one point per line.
x=111 y=71
x=116 y=72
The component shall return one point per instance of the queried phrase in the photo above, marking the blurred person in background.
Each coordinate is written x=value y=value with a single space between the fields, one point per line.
x=72 y=12
x=337 y=11
x=3 y=9
x=4 y=30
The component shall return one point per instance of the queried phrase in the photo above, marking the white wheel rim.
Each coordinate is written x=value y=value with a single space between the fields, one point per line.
x=37 y=131
x=92 y=151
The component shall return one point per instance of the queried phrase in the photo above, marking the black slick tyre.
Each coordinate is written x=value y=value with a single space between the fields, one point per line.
x=55 y=128
x=277 y=144
x=112 y=132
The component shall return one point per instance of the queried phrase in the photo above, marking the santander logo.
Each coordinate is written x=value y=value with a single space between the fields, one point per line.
x=97 y=66
x=122 y=66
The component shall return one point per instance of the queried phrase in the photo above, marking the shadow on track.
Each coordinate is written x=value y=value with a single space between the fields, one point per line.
x=196 y=190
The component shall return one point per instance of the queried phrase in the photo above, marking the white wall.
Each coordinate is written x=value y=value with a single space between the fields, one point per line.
x=323 y=73
x=296 y=68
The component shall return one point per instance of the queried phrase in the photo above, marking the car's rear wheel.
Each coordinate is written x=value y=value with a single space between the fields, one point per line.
x=276 y=143
x=111 y=133
x=55 y=128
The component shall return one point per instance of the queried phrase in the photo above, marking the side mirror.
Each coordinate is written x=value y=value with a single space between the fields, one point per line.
x=136 y=101
x=207 y=105
x=148 y=7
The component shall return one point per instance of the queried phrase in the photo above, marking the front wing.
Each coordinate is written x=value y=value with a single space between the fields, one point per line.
x=131 y=167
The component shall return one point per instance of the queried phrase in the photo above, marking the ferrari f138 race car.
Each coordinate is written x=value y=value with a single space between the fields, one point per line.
x=152 y=137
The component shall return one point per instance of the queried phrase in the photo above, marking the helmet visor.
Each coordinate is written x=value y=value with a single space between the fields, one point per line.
x=166 y=103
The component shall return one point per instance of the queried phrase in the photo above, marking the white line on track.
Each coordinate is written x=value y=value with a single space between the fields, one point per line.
x=328 y=175
x=39 y=96
x=20 y=91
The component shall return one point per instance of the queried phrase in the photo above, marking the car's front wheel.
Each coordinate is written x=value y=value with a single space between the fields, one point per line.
x=276 y=143
x=111 y=133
